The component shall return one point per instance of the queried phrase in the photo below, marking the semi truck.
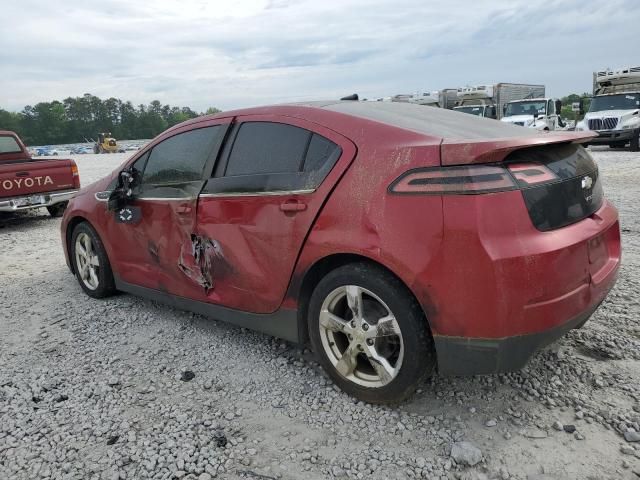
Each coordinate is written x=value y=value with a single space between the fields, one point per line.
x=538 y=113
x=490 y=100
x=614 y=112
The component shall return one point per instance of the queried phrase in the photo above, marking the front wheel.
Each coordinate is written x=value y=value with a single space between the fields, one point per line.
x=369 y=334
x=90 y=262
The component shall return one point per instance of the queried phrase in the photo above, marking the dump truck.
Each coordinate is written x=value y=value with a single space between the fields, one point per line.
x=615 y=108
x=491 y=100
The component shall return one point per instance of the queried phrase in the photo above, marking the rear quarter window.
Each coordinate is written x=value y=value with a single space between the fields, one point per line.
x=321 y=151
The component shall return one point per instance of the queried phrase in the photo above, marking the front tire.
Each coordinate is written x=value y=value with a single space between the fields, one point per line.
x=90 y=262
x=370 y=334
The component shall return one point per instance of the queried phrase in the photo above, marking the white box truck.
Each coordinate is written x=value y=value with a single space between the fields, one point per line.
x=490 y=100
x=615 y=108
x=445 y=98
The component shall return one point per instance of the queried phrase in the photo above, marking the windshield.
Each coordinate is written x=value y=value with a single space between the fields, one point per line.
x=477 y=110
x=526 y=108
x=623 y=101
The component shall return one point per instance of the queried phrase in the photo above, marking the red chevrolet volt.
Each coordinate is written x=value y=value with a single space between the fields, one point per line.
x=396 y=239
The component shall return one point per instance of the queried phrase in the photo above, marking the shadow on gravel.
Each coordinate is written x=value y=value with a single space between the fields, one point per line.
x=18 y=219
x=595 y=352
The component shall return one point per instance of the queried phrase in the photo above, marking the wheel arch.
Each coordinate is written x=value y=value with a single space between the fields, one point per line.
x=71 y=225
x=322 y=267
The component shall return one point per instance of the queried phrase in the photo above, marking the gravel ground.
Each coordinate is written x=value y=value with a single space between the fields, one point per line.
x=130 y=389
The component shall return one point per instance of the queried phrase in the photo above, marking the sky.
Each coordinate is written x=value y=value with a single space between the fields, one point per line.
x=231 y=54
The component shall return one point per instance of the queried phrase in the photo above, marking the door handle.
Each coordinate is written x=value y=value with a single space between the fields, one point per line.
x=183 y=209
x=293 y=206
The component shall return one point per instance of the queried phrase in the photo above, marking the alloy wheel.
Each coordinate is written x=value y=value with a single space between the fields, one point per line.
x=87 y=261
x=361 y=336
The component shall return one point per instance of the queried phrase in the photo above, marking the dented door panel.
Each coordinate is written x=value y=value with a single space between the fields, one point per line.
x=151 y=253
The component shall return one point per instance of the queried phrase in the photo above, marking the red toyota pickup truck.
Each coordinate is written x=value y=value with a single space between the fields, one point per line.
x=27 y=183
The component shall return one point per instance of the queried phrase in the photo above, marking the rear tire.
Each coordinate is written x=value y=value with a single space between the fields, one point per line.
x=58 y=209
x=634 y=144
x=90 y=262
x=380 y=354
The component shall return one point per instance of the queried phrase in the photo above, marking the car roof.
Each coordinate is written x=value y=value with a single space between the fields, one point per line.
x=430 y=121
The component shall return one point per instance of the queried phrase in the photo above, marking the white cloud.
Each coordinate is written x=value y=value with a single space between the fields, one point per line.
x=200 y=53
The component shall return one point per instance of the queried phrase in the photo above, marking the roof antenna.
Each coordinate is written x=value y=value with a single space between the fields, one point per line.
x=353 y=96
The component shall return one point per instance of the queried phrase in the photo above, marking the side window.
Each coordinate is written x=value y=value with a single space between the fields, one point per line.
x=551 y=109
x=265 y=147
x=181 y=158
x=274 y=157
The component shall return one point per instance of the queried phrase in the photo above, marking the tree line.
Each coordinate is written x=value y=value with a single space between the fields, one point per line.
x=78 y=118
x=566 y=111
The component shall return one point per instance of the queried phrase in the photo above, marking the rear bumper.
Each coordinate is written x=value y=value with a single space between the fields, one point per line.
x=24 y=202
x=610 y=136
x=509 y=289
x=478 y=356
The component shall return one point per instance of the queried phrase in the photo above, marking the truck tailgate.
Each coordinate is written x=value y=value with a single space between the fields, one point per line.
x=37 y=176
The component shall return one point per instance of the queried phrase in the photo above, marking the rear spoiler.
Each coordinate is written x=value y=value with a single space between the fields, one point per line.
x=464 y=152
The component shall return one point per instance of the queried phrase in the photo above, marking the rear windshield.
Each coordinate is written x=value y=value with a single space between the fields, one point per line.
x=9 y=145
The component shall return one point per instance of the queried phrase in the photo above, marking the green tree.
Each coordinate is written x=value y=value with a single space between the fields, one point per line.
x=75 y=119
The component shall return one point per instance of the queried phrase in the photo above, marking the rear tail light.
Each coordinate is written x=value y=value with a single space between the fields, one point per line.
x=76 y=176
x=461 y=180
x=529 y=174
x=470 y=180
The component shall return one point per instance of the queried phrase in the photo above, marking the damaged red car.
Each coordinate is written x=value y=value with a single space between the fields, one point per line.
x=396 y=239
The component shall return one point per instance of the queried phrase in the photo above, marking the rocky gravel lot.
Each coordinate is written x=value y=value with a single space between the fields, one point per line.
x=130 y=389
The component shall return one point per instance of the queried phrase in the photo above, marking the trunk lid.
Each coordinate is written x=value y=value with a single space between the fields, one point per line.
x=558 y=178
x=560 y=184
x=37 y=176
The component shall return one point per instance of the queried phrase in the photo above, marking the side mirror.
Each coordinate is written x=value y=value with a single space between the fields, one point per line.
x=123 y=193
x=581 y=107
x=558 y=106
x=127 y=181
